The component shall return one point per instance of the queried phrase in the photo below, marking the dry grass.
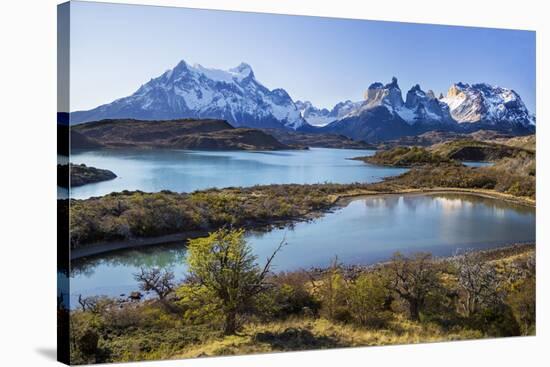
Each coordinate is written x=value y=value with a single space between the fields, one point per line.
x=305 y=334
x=528 y=142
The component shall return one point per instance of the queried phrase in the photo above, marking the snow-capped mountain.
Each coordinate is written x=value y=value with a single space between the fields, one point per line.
x=419 y=107
x=483 y=103
x=237 y=96
x=198 y=92
x=322 y=116
x=424 y=107
x=313 y=115
x=384 y=115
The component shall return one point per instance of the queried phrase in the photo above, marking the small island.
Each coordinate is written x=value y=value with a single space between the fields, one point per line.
x=81 y=175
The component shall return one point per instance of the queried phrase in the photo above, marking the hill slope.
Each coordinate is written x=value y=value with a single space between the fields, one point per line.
x=178 y=134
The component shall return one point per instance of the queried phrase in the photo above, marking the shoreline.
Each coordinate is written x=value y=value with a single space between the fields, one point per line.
x=493 y=253
x=339 y=201
x=491 y=194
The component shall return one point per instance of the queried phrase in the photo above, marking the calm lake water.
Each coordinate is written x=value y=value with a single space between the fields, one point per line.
x=186 y=171
x=365 y=231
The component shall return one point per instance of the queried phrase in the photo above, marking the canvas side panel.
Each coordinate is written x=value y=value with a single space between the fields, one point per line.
x=63 y=252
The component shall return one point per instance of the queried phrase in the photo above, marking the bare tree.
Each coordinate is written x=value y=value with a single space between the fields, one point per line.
x=82 y=302
x=413 y=279
x=157 y=280
x=478 y=281
x=94 y=304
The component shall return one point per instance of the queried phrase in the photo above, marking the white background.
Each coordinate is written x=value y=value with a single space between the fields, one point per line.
x=28 y=179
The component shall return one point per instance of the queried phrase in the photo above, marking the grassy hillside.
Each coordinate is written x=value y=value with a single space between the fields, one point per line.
x=438 y=136
x=474 y=150
x=448 y=152
x=527 y=142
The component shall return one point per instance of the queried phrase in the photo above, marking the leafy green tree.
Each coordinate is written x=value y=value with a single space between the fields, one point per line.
x=367 y=297
x=224 y=265
x=199 y=305
x=289 y=294
x=332 y=293
x=522 y=300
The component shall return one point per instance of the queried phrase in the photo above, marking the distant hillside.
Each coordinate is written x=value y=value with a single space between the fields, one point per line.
x=317 y=140
x=471 y=150
x=528 y=142
x=449 y=153
x=439 y=136
x=178 y=134
x=80 y=141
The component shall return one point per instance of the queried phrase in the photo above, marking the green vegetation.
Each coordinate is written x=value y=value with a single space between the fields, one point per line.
x=511 y=176
x=407 y=157
x=513 y=172
x=228 y=304
x=126 y=215
x=223 y=276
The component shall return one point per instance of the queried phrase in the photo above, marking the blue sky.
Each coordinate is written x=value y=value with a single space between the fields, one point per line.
x=116 y=48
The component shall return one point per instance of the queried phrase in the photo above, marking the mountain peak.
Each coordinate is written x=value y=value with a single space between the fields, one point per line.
x=182 y=65
x=379 y=94
x=243 y=69
x=243 y=66
x=323 y=116
x=393 y=83
x=196 y=91
x=416 y=88
x=376 y=85
x=484 y=103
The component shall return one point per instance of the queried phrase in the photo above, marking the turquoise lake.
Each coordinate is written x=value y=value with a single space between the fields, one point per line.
x=365 y=231
x=186 y=171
